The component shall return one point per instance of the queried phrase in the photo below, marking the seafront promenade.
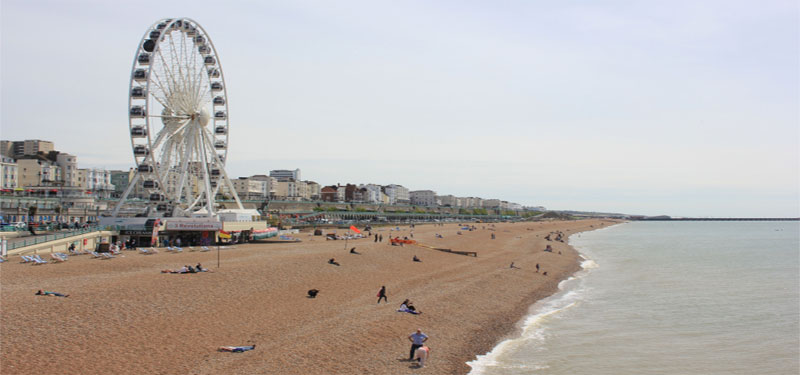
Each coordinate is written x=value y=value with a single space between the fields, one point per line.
x=145 y=321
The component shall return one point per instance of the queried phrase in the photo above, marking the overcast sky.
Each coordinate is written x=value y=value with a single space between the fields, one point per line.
x=683 y=108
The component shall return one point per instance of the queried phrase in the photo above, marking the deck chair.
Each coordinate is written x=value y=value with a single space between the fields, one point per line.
x=107 y=256
x=96 y=254
x=38 y=260
x=57 y=258
x=205 y=248
x=26 y=259
x=177 y=249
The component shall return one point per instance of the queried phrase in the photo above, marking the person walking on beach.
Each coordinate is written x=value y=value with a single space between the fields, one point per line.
x=417 y=340
x=537 y=267
x=382 y=294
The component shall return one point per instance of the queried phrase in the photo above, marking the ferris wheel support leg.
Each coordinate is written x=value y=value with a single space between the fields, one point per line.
x=128 y=190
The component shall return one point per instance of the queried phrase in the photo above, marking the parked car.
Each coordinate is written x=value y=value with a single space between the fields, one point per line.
x=20 y=225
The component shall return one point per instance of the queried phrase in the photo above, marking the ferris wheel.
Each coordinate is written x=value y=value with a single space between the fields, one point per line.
x=178 y=119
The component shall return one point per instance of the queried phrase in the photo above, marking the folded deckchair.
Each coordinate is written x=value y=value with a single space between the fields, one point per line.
x=26 y=259
x=236 y=349
x=205 y=248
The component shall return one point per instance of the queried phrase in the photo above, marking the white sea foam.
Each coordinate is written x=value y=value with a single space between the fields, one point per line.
x=533 y=326
x=533 y=329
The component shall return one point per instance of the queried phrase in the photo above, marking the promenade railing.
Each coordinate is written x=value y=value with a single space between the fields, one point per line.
x=22 y=242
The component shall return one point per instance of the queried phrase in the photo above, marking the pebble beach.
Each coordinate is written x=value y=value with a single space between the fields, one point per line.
x=124 y=316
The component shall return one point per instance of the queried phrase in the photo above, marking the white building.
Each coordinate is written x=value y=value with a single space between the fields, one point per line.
x=423 y=198
x=373 y=193
x=8 y=173
x=271 y=184
x=398 y=194
x=250 y=189
x=98 y=180
x=285 y=174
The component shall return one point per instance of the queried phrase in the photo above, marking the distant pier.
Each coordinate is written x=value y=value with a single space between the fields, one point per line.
x=717 y=219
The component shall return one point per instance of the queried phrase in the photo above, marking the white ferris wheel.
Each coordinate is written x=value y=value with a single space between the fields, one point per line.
x=178 y=120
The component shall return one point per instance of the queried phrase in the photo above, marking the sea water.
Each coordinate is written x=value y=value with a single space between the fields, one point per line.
x=667 y=298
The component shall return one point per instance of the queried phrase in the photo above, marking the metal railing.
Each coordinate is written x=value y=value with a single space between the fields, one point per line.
x=49 y=237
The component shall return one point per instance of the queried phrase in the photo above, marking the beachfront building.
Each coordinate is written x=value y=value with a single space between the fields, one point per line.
x=292 y=190
x=285 y=174
x=448 y=201
x=69 y=166
x=121 y=180
x=37 y=171
x=8 y=173
x=341 y=193
x=398 y=194
x=270 y=182
x=313 y=190
x=30 y=147
x=491 y=203
x=328 y=193
x=372 y=193
x=423 y=198
x=98 y=181
x=250 y=189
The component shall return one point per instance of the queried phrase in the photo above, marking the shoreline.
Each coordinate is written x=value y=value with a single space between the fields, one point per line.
x=153 y=322
x=531 y=310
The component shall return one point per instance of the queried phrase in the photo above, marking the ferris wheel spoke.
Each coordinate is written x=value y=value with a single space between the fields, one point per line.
x=165 y=99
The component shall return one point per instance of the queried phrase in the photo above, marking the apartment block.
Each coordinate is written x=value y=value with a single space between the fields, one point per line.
x=285 y=174
x=423 y=198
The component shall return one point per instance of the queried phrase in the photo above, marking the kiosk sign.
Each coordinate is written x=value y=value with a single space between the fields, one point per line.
x=194 y=225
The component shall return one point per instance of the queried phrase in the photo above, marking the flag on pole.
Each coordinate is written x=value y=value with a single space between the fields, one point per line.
x=154 y=237
x=224 y=234
x=354 y=229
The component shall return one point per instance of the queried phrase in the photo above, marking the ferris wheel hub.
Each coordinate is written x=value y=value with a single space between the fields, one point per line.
x=202 y=117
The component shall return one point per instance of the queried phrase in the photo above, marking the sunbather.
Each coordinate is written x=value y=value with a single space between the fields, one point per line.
x=312 y=293
x=45 y=293
x=236 y=349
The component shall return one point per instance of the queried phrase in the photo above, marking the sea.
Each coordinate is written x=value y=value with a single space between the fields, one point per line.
x=667 y=298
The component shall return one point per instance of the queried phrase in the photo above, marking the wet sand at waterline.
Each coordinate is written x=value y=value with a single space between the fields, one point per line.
x=124 y=316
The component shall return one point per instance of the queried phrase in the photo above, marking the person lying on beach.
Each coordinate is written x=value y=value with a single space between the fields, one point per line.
x=333 y=261
x=45 y=293
x=353 y=251
x=416 y=259
x=236 y=349
x=513 y=266
x=312 y=293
